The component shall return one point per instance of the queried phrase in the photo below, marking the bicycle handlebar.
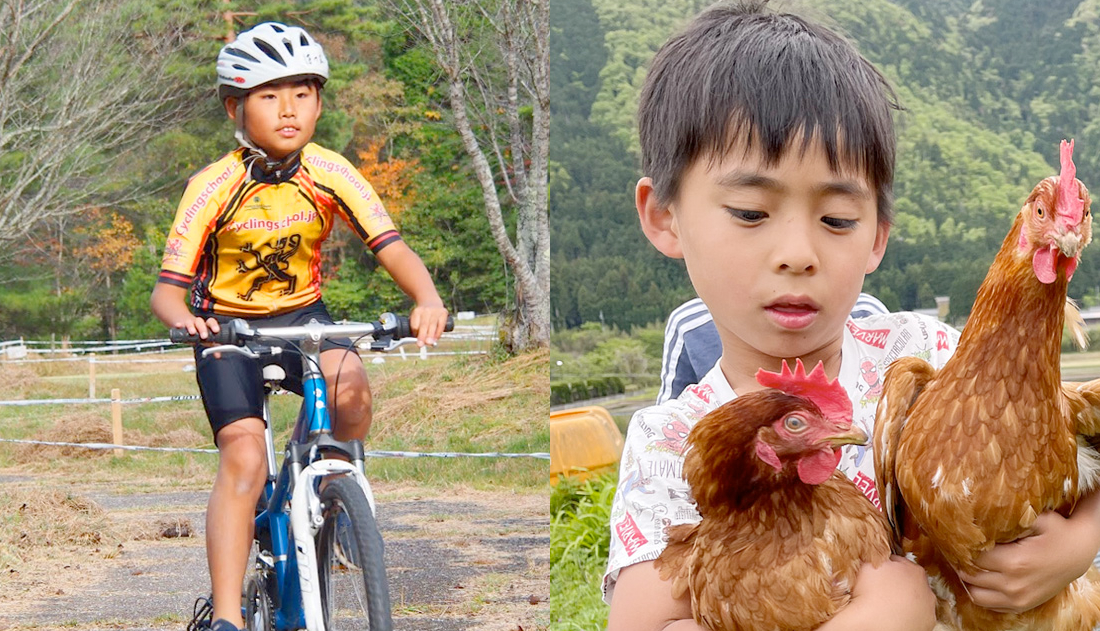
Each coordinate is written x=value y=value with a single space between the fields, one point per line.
x=238 y=331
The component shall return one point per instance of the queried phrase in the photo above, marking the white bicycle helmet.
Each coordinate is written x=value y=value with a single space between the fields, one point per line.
x=269 y=52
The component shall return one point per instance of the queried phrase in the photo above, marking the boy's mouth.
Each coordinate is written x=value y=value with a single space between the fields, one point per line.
x=793 y=312
x=288 y=131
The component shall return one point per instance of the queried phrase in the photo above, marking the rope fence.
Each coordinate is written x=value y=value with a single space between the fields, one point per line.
x=369 y=454
x=18 y=350
x=21 y=351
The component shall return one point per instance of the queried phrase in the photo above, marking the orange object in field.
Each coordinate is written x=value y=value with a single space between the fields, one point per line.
x=583 y=441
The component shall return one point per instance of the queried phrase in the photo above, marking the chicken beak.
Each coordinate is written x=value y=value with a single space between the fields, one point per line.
x=1068 y=242
x=854 y=436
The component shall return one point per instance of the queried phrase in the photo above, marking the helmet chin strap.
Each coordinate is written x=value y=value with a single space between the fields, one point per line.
x=259 y=156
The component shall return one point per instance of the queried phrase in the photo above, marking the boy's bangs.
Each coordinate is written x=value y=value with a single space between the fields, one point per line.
x=739 y=81
x=754 y=108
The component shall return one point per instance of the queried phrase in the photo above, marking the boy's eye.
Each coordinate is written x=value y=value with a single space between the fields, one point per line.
x=840 y=224
x=748 y=216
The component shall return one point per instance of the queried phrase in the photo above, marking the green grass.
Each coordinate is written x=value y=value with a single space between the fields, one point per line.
x=579 y=542
x=480 y=403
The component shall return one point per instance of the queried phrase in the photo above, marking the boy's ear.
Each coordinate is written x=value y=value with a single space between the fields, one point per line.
x=878 y=250
x=230 y=104
x=658 y=222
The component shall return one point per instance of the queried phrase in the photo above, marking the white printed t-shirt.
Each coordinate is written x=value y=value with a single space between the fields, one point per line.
x=652 y=493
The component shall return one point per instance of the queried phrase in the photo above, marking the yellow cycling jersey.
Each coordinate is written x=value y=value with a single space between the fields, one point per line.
x=246 y=247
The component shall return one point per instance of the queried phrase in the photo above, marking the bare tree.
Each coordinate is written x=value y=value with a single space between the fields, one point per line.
x=494 y=56
x=79 y=86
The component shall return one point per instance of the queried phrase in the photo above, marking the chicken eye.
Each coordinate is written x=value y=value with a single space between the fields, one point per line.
x=1039 y=211
x=795 y=424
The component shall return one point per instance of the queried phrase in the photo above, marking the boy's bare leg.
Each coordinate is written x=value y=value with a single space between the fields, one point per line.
x=352 y=402
x=242 y=471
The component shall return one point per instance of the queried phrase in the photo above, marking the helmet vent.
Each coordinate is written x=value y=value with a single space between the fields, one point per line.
x=270 y=51
x=278 y=28
x=236 y=52
x=240 y=67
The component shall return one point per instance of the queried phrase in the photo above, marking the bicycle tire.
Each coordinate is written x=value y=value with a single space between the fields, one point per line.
x=354 y=595
x=258 y=610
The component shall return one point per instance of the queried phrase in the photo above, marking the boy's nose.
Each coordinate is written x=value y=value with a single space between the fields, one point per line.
x=286 y=107
x=795 y=251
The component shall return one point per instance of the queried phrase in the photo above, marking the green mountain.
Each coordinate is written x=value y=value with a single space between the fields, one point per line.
x=989 y=89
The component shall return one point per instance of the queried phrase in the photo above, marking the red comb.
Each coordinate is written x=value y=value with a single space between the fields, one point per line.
x=1069 y=207
x=830 y=396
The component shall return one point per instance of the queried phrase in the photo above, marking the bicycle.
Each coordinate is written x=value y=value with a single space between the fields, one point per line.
x=321 y=507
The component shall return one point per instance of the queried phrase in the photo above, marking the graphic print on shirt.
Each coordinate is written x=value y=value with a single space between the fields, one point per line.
x=274 y=265
x=636 y=481
x=675 y=432
x=868 y=371
x=233 y=243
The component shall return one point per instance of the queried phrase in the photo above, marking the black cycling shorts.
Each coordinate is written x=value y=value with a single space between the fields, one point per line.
x=232 y=386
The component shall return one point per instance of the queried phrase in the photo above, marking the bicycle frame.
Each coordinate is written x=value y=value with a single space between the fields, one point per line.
x=297 y=484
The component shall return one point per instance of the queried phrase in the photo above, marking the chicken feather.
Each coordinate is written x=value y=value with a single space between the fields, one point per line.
x=779 y=546
x=968 y=456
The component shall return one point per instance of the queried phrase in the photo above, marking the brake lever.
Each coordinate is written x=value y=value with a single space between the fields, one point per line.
x=241 y=350
x=387 y=344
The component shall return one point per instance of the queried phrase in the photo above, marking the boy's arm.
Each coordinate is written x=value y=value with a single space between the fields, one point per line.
x=169 y=304
x=892 y=597
x=643 y=602
x=429 y=316
x=1028 y=572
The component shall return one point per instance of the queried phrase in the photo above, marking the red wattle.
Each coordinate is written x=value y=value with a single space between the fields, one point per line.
x=817 y=467
x=1044 y=265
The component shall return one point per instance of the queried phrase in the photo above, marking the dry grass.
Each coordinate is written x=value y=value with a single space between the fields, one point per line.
x=77 y=426
x=37 y=523
x=18 y=381
x=428 y=404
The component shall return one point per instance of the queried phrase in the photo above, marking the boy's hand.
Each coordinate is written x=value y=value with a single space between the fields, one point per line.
x=197 y=326
x=1026 y=573
x=427 y=323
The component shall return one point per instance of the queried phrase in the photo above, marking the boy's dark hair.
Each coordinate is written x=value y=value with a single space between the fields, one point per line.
x=738 y=74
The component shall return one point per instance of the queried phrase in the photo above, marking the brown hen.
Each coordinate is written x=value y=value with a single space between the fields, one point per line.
x=783 y=534
x=969 y=456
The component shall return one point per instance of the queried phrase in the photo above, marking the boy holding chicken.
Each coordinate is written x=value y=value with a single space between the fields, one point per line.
x=768 y=149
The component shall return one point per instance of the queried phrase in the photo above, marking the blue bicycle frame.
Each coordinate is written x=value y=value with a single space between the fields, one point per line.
x=312 y=437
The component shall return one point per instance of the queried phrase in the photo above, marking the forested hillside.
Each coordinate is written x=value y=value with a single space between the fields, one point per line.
x=90 y=274
x=989 y=88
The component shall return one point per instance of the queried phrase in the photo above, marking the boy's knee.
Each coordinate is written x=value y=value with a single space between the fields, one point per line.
x=352 y=387
x=243 y=454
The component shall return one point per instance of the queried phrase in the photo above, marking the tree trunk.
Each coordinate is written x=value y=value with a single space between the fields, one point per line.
x=520 y=29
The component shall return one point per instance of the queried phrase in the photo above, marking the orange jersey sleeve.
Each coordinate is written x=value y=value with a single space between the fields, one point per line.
x=196 y=216
x=351 y=196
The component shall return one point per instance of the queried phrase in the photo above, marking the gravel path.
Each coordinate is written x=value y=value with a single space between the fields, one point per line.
x=456 y=561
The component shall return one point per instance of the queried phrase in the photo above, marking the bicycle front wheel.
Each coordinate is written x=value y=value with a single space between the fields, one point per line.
x=354 y=593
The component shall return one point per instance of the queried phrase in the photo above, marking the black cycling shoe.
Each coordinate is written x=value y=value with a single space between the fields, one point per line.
x=203 y=618
x=222 y=624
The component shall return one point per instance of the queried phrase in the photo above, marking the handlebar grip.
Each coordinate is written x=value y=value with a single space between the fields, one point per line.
x=181 y=336
x=403 y=329
x=227 y=334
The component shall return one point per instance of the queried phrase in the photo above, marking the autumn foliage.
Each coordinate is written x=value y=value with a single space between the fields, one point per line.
x=391 y=177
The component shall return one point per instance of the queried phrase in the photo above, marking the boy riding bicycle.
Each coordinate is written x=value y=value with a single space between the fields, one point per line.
x=246 y=243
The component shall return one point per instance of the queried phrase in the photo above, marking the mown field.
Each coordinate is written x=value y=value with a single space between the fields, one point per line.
x=465 y=403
